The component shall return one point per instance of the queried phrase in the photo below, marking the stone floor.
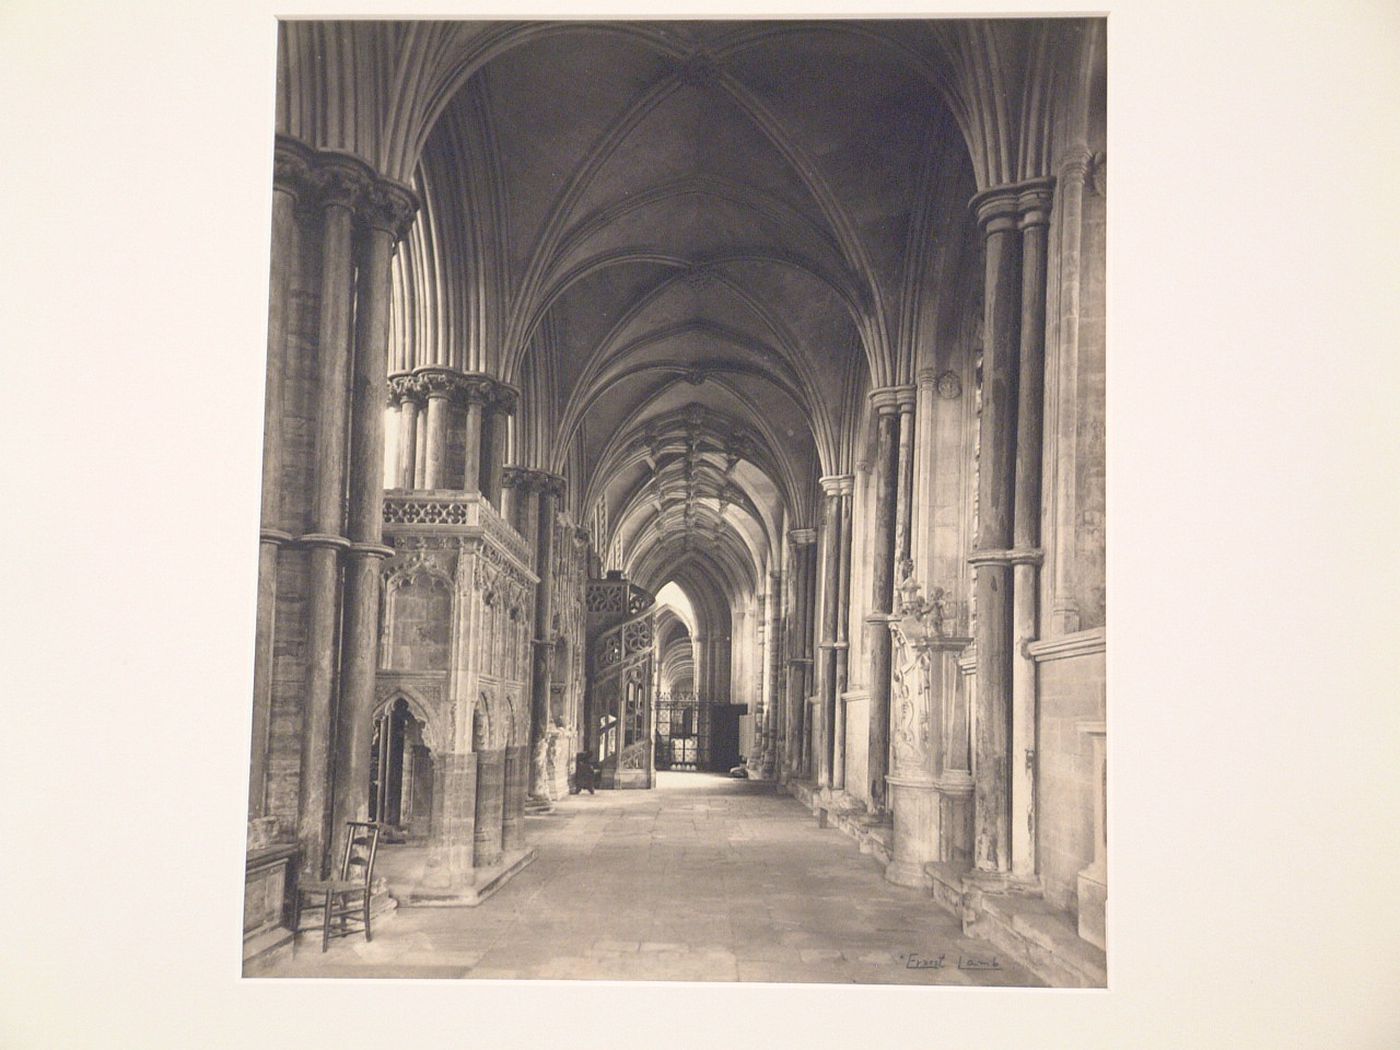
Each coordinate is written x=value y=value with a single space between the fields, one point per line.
x=705 y=878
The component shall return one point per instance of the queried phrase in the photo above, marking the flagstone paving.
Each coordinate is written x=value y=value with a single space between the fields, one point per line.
x=706 y=878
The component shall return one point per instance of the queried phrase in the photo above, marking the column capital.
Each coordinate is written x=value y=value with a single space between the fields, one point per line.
x=889 y=400
x=388 y=206
x=504 y=397
x=405 y=386
x=439 y=382
x=837 y=484
x=340 y=179
x=1013 y=204
x=1035 y=200
x=463 y=387
x=526 y=479
x=292 y=165
x=802 y=537
x=995 y=208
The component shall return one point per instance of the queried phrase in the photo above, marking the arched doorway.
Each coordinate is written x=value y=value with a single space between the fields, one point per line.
x=401 y=775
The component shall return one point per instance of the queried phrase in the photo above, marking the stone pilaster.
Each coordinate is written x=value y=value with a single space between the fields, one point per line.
x=550 y=488
x=772 y=711
x=833 y=487
x=887 y=404
x=291 y=183
x=802 y=544
x=843 y=637
x=1033 y=206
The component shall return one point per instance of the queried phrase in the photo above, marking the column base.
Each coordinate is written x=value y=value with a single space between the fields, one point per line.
x=908 y=873
x=485 y=882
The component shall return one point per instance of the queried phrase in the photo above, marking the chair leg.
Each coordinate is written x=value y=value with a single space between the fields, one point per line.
x=326 y=924
x=367 y=936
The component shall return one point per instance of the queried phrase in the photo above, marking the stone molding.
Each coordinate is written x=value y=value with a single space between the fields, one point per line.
x=322 y=539
x=1069 y=646
x=889 y=400
x=1014 y=205
x=1015 y=556
x=837 y=484
x=855 y=695
x=802 y=537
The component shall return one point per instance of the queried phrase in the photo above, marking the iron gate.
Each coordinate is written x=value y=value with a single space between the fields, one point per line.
x=682 y=725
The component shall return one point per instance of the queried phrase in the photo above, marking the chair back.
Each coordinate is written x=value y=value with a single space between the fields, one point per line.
x=361 y=845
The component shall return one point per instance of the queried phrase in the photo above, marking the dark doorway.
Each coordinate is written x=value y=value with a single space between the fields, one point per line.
x=401 y=774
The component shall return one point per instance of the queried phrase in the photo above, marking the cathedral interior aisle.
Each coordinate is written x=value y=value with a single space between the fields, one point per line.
x=707 y=878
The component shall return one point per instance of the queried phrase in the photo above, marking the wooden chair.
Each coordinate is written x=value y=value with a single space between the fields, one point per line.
x=345 y=899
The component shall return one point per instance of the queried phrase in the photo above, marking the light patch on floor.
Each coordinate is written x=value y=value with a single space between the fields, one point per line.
x=706 y=878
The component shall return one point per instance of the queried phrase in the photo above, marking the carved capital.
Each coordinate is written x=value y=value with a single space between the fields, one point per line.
x=292 y=165
x=340 y=180
x=439 y=382
x=504 y=397
x=802 y=537
x=387 y=206
x=405 y=386
x=478 y=389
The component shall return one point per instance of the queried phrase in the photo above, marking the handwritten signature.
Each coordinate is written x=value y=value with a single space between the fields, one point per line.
x=915 y=961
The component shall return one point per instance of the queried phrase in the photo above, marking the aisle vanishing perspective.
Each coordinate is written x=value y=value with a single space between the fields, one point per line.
x=705 y=878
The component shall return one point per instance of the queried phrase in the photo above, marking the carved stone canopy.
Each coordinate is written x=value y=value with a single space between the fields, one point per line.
x=922 y=622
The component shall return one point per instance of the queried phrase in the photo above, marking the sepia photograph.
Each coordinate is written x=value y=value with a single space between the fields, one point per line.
x=593 y=526
x=682 y=537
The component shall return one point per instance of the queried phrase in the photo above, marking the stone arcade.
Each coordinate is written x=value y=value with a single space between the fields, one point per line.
x=688 y=395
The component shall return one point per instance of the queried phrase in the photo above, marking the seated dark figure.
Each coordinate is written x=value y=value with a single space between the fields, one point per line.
x=585 y=773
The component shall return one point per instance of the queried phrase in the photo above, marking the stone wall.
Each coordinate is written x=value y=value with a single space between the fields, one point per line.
x=857 y=746
x=1071 y=701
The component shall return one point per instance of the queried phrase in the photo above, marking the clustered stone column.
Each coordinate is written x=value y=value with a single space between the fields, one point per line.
x=447 y=420
x=846 y=489
x=892 y=404
x=336 y=206
x=533 y=511
x=1007 y=555
x=802 y=551
x=835 y=542
x=772 y=714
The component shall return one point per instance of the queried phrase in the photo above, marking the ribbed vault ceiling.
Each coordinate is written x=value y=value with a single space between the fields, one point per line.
x=688 y=243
